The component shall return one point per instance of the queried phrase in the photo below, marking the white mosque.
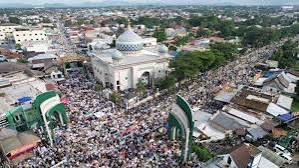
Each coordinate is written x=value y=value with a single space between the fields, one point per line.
x=133 y=59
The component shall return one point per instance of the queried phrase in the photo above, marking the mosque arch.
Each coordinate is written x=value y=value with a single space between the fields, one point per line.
x=146 y=77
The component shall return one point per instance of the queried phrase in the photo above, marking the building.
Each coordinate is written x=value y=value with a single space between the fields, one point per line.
x=42 y=60
x=6 y=32
x=130 y=62
x=241 y=156
x=24 y=35
x=36 y=46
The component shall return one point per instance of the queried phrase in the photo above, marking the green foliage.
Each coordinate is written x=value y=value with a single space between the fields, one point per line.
x=226 y=28
x=14 y=20
x=203 y=33
x=172 y=48
x=202 y=152
x=2 y=94
x=80 y=21
x=119 y=20
x=160 y=35
x=98 y=88
x=68 y=23
x=46 y=20
x=166 y=83
x=22 y=60
x=115 y=97
x=113 y=44
x=190 y=64
x=295 y=104
x=18 y=46
x=141 y=86
x=228 y=50
x=258 y=37
x=287 y=55
x=148 y=21
x=183 y=40
x=92 y=22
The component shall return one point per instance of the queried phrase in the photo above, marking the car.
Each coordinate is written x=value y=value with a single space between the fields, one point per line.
x=3 y=58
x=281 y=150
x=287 y=157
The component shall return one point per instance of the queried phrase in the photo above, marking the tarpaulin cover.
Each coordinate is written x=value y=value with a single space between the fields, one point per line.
x=268 y=74
x=24 y=99
x=285 y=117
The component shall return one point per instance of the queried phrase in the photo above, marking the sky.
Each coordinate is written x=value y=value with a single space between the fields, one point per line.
x=238 y=2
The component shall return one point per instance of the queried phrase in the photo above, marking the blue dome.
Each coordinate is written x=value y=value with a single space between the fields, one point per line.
x=129 y=41
x=117 y=55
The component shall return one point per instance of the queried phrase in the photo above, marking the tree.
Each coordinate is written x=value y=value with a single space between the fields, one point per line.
x=46 y=20
x=115 y=97
x=229 y=50
x=22 y=60
x=14 y=20
x=160 y=35
x=166 y=83
x=68 y=23
x=297 y=88
x=92 y=22
x=183 y=40
x=18 y=46
x=287 y=55
x=2 y=94
x=203 y=33
x=98 y=87
x=226 y=28
x=141 y=86
x=80 y=21
x=202 y=153
x=258 y=37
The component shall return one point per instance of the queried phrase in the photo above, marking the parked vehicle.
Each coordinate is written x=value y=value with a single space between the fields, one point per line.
x=3 y=58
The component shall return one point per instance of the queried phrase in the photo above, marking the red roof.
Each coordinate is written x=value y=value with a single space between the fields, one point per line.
x=214 y=38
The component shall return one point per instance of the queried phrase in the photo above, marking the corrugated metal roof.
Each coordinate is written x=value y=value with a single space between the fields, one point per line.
x=276 y=110
x=285 y=101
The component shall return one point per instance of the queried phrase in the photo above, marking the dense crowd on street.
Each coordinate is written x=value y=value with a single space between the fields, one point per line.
x=135 y=137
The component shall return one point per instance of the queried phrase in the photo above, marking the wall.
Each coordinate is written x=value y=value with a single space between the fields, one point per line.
x=30 y=35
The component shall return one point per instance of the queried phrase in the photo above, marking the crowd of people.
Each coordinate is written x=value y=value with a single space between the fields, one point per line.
x=135 y=137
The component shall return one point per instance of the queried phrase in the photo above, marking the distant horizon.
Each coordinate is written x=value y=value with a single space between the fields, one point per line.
x=99 y=3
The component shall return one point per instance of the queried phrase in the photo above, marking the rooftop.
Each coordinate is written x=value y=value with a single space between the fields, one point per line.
x=22 y=85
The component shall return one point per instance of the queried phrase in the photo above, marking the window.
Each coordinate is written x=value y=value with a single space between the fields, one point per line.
x=36 y=39
x=36 y=34
x=17 y=118
x=31 y=39
x=229 y=160
x=118 y=87
x=117 y=82
x=42 y=39
x=24 y=35
x=17 y=35
x=19 y=40
x=45 y=35
x=30 y=34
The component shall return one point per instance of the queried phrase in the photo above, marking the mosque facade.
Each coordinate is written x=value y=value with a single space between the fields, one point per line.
x=130 y=62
